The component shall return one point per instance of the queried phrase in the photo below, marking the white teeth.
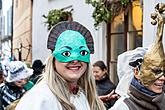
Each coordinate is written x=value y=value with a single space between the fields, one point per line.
x=159 y=84
x=73 y=68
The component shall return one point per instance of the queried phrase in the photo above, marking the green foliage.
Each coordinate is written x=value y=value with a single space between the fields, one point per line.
x=104 y=10
x=57 y=15
x=124 y=2
x=100 y=13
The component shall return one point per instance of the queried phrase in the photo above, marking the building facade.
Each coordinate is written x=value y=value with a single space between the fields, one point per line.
x=82 y=13
x=6 y=28
x=149 y=30
x=22 y=30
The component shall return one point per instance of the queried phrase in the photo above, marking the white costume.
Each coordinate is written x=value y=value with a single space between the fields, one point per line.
x=125 y=74
x=40 y=97
x=124 y=71
x=119 y=104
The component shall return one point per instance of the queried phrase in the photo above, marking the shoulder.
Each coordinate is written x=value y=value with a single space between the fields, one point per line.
x=120 y=104
x=40 y=88
x=41 y=95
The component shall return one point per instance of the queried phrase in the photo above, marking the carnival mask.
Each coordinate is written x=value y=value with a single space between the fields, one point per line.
x=153 y=66
x=71 y=45
x=70 y=40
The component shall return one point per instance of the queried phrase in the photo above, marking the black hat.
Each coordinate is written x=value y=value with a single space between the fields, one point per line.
x=38 y=64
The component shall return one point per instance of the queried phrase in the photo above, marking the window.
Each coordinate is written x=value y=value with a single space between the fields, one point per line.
x=124 y=33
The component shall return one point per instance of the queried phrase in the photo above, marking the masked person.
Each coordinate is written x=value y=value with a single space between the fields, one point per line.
x=68 y=83
x=16 y=75
x=124 y=70
x=146 y=88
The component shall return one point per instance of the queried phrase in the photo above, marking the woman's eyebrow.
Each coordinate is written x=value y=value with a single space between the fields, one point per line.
x=81 y=47
x=66 y=47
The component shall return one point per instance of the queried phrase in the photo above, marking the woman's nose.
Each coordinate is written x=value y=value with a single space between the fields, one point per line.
x=74 y=61
x=23 y=81
x=162 y=78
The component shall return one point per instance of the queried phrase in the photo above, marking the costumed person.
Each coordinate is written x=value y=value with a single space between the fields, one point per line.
x=37 y=67
x=104 y=86
x=29 y=84
x=124 y=70
x=16 y=75
x=68 y=82
x=146 y=88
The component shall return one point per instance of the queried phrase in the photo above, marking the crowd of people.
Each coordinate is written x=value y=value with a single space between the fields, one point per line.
x=68 y=81
x=16 y=78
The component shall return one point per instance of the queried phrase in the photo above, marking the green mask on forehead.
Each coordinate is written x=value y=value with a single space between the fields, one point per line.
x=70 y=46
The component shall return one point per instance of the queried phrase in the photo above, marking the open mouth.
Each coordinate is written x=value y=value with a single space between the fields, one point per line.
x=73 y=67
x=160 y=85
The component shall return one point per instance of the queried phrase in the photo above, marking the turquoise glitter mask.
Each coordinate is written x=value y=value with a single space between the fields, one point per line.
x=70 y=46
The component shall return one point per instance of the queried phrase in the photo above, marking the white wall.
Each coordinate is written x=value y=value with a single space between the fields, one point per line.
x=149 y=30
x=82 y=13
x=6 y=46
x=6 y=4
x=6 y=49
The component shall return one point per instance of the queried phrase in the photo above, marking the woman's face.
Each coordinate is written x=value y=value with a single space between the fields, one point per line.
x=98 y=73
x=71 y=71
x=157 y=86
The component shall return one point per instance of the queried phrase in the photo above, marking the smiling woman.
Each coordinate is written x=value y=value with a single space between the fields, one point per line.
x=105 y=88
x=67 y=82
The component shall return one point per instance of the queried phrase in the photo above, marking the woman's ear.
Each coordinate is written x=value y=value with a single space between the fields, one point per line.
x=136 y=72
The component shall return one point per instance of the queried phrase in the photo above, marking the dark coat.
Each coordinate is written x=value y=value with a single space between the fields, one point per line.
x=9 y=93
x=104 y=87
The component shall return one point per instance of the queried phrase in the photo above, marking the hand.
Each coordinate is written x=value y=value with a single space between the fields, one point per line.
x=112 y=95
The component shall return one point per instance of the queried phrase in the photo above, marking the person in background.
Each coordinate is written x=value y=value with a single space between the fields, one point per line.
x=146 y=87
x=68 y=82
x=37 y=67
x=30 y=83
x=16 y=75
x=105 y=88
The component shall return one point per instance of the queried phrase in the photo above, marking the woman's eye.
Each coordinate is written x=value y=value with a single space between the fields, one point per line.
x=66 y=53
x=83 y=52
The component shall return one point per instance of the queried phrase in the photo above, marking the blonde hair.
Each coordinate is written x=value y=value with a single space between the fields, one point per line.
x=59 y=87
x=12 y=105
